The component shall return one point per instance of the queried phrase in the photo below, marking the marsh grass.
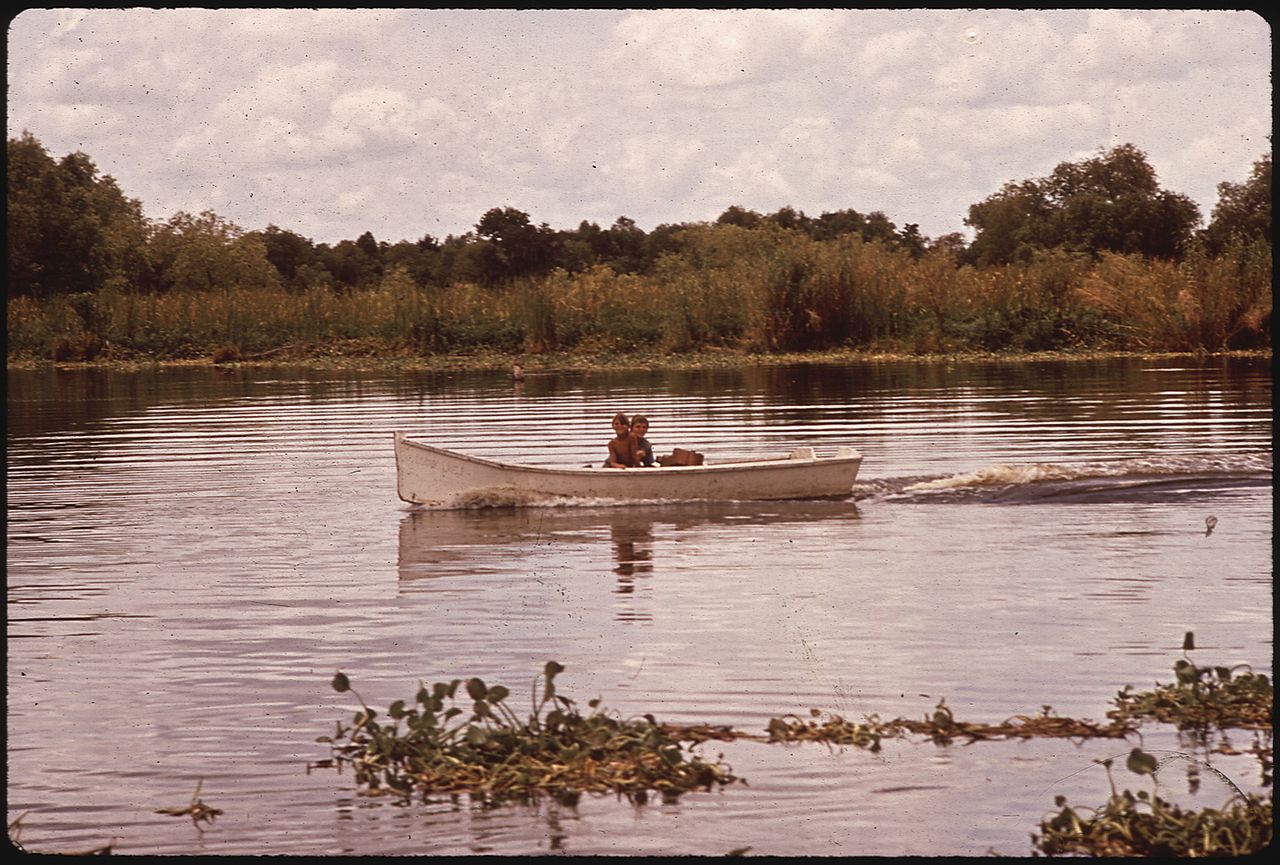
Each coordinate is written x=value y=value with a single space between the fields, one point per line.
x=728 y=288
x=1202 y=302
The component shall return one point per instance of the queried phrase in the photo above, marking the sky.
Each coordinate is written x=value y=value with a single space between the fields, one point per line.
x=408 y=122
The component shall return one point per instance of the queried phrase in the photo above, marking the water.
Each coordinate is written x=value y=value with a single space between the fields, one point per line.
x=193 y=553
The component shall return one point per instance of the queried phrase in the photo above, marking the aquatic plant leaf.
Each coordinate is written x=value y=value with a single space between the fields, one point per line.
x=476 y=689
x=341 y=683
x=1140 y=762
x=497 y=694
x=396 y=709
x=1189 y=641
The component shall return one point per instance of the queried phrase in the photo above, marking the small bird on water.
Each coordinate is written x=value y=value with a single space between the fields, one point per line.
x=1209 y=523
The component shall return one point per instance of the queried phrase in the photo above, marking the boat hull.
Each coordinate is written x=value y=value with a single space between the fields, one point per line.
x=428 y=475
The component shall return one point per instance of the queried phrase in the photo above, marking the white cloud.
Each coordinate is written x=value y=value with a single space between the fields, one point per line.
x=712 y=48
x=889 y=52
x=377 y=113
x=334 y=122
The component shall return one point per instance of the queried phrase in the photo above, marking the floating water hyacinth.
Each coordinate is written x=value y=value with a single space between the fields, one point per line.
x=494 y=755
x=1143 y=824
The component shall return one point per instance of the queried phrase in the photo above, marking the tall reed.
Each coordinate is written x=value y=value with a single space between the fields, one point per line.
x=1201 y=303
x=765 y=290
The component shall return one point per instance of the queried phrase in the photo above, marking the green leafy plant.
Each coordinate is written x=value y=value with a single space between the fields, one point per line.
x=434 y=746
x=940 y=726
x=1143 y=824
x=830 y=728
x=1203 y=697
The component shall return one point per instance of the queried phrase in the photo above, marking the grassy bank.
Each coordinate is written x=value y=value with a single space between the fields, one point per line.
x=727 y=298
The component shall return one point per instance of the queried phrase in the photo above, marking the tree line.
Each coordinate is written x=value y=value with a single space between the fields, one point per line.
x=72 y=230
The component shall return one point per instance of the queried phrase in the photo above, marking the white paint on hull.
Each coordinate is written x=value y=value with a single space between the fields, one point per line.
x=429 y=475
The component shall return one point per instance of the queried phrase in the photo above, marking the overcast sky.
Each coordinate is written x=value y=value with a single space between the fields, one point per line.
x=410 y=122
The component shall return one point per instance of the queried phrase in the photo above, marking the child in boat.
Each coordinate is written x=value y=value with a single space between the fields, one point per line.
x=644 y=450
x=622 y=447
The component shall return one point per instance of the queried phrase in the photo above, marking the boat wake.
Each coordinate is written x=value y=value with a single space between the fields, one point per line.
x=1148 y=480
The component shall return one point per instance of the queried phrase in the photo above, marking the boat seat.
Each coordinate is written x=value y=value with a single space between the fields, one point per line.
x=803 y=454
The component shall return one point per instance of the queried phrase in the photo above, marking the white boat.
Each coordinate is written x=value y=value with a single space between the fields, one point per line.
x=428 y=475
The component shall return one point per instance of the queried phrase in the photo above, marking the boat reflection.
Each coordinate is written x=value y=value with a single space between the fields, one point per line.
x=437 y=545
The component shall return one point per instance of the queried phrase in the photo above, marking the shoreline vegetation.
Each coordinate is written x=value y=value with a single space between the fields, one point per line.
x=735 y=296
x=364 y=357
x=1093 y=258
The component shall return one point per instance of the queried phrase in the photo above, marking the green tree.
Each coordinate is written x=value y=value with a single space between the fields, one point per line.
x=579 y=250
x=288 y=253
x=207 y=252
x=872 y=226
x=419 y=260
x=1010 y=224
x=1243 y=209
x=1111 y=202
x=789 y=217
x=351 y=264
x=627 y=246
x=912 y=240
x=953 y=242
x=665 y=239
x=518 y=248
x=739 y=216
x=68 y=229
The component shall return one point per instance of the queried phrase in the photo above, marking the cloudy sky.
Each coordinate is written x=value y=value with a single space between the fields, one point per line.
x=410 y=122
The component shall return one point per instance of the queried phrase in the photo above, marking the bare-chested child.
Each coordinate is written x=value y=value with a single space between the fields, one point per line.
x=622 y=447
x=644 y=450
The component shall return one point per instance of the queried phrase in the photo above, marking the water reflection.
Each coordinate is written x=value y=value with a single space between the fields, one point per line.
x=633 y=553
x=643 y=541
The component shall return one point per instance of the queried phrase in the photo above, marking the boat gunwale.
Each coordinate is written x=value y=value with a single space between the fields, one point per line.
x=594 y=471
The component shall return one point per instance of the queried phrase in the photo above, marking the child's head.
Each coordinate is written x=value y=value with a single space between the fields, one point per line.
x=639 y=425
x=620 y=423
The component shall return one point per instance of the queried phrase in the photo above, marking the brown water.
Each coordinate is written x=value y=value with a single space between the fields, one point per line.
x=192 y=554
